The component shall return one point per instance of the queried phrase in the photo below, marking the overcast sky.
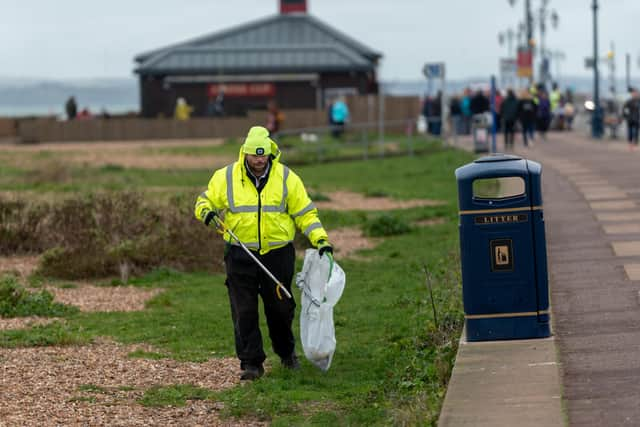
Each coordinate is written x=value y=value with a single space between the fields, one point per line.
x=89 y=39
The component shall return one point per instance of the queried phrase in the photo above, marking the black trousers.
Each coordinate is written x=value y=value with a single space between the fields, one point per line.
x=509 y=133
x=632 y=132
x=245 y=281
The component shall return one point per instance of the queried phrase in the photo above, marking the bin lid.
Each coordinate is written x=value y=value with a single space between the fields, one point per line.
x=497 y=157
x=492 y=166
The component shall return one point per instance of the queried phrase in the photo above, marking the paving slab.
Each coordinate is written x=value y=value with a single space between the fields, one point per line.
x=631 y=248
x=617 y=217
x=504 y=383
x=603 y=195
x=624 y=228
x=633 y=271
x=589 y=179
x=617 y=205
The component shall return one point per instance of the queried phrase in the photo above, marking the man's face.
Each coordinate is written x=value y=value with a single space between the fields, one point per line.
x=257 y=164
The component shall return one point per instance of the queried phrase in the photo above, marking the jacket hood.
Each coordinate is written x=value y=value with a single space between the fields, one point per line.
x=275 y=153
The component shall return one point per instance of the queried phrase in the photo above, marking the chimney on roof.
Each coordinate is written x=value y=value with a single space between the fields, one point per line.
x=293 y=6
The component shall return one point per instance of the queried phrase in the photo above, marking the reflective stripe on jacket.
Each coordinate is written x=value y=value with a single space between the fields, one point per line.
x=265 y=220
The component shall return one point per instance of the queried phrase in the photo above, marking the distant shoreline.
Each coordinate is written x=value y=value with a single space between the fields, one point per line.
x=58 y=110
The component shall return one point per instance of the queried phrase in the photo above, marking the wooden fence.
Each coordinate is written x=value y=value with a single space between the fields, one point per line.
x=363 y=109
x=8 y=128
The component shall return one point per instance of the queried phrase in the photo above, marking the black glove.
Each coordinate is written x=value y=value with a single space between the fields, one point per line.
x=210 y=216
x=324 y=246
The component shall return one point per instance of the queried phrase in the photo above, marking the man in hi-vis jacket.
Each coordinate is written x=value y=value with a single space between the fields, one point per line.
x=262 y=202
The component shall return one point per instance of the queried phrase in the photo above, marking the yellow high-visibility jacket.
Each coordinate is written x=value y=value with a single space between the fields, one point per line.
x=262 y=221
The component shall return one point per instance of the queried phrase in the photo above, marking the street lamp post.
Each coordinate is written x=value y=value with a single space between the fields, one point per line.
x=596 y=118
x=528 y=22
x=539 y=19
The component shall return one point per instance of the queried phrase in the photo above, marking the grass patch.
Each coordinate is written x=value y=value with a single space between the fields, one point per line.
x=386 y=225
x=56 y=333
x=173 y=395
x=16 y=301
x=392 y=362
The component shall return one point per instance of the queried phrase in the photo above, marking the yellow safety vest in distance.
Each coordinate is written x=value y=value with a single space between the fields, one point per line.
x=262 y=221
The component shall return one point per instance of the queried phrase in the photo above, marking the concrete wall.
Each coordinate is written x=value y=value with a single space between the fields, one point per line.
x=363 y=109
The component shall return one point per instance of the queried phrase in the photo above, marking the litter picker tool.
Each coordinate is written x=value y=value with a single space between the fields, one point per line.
x=279 y=286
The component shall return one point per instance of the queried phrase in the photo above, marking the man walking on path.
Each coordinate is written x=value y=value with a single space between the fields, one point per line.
x=509 y=113
x=527 y=116
x=262 y=202
x=631 y=113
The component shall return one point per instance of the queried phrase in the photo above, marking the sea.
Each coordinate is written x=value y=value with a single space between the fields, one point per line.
x=33 y=97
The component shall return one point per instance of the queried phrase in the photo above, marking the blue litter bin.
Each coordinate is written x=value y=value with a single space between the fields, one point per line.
x=503 y=249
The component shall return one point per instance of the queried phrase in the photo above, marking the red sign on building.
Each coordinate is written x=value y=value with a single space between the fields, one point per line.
x=291 y=6
x=232 y=90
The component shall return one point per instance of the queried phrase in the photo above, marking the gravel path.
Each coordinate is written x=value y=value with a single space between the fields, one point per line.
x=99 y=385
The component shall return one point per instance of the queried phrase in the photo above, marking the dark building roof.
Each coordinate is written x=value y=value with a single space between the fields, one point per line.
x=281 y=43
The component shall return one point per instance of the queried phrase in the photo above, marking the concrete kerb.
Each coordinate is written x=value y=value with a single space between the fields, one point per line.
x=504 y=383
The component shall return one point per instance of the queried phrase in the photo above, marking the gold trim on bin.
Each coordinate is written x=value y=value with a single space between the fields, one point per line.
x=496 y=210
x=501 y=315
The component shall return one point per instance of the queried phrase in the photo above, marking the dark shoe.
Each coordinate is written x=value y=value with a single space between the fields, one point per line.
x=251 y=373
x=291 y=362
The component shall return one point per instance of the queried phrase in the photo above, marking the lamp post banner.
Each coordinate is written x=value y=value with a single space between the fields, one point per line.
x=525 y=62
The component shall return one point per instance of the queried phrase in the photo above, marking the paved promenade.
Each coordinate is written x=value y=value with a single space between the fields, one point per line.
x=588 y=373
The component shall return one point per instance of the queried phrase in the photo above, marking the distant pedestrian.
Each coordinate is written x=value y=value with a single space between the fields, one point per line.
x=435 y=115
x=71 y=108
x=569 y=114
x=465 y=108
x=427 y=106
x=339 y=117
x=557 y=107
x=527 y=116
x=84 y=114
x=631 y=113
x=455 y=115
x=555 y=97
x=509 y=113
x=183 y=110
x=275 y=118
x=215 y=107
x=543 y=114
x=479 y=103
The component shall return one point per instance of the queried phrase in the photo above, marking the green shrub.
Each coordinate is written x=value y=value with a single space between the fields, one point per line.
x=118 y=233
x=16 y=301
x=386 y=225
x=19 y=227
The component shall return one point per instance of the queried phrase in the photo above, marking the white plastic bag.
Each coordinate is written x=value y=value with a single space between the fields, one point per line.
x=321 y=282
x=421 y=125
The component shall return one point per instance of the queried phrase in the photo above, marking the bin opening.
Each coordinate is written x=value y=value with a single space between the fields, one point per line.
x=498 y=188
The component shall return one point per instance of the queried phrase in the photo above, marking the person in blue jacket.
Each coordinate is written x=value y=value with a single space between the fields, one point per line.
x=339 y=117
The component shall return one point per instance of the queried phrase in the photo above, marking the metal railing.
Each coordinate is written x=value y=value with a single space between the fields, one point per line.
x=354 y=140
